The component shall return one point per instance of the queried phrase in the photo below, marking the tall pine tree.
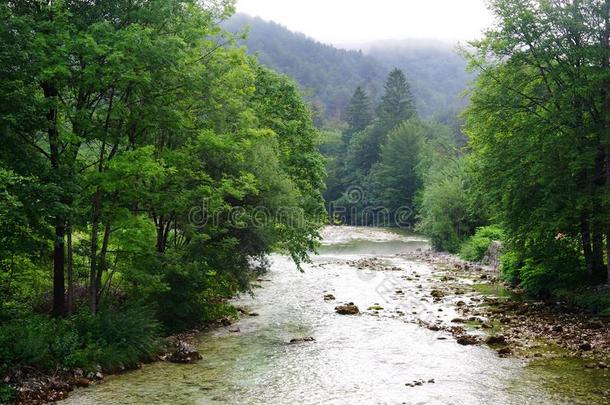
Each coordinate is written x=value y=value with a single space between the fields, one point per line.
x=359 y=114
x=397 y=102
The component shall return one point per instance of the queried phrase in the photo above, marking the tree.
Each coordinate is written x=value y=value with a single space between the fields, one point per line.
x=397 y=103
x=358 y=114
x=539 y=132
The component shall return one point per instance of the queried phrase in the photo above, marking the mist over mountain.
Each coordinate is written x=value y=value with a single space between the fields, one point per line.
x=329 y=75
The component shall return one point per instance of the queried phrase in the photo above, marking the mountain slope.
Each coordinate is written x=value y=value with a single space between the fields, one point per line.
x=329 y=75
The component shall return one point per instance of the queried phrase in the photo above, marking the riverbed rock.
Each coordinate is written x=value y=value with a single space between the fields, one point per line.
x=185 y=354
x=302 y=339
x=375 y=308
x=437 y=294
x=467 y=340
x=496 y=340
x=234 y=329
x=347 y=309
x=585 y=347
x=505 y=351
x=329 y=297
x=81 y=382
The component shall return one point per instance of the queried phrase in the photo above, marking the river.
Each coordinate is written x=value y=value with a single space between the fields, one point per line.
x=366 y=358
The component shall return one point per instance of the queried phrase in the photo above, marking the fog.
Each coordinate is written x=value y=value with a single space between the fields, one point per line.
x=349 y=22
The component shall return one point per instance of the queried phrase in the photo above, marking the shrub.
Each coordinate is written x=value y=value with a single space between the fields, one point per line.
x=116 y=338
x=510 y=267
x=596 y=301
x=443 y=207
x=37 y=342
x=7 y=394
x=544 y=266
x=113 y=339
x=475 y=247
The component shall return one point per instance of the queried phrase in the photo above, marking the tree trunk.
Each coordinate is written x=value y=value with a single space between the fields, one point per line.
x=586 y=244
x=161 y=235
x=95 y=223
x=599 y=271
x=102 y=264
x=605 y=62
x=59 y=288
x=70 y=270
x=59 y=258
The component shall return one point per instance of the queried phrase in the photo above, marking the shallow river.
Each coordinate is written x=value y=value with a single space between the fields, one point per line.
x=355 y=359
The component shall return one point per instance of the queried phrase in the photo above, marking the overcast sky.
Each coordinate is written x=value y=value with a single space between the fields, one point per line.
x=357 y=21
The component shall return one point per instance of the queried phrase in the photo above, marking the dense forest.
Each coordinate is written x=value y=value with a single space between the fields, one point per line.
x=535 y=172
x=151 y=149
x=329 y=75
x=139 y=143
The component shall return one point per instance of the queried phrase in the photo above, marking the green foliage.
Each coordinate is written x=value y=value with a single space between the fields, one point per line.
x=595 y=301
x=359 y=114
x=544 y=267
x=510 y=265
x=151 y=161
x=396 y=178
x=540 y=145
x=7 y=394
x=443 y=207
x=112 y=339
x=397 y=102
x=475 y=247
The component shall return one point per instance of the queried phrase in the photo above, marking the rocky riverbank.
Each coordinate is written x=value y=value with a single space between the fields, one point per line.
x=35 y=388
x=491 y=312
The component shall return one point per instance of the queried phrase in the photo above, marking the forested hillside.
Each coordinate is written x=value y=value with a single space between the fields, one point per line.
x=329 y=75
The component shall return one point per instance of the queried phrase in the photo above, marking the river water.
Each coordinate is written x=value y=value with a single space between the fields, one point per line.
x=366 y=358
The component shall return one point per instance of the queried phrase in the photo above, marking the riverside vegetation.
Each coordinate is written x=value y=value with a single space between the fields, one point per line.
x=535 y=172
x=130 y=132
x=140 y=142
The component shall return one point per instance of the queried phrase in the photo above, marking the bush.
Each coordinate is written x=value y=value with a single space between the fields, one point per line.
x=112 y=339
x=443 y=207
x=596 y=301
x=196 y=297
x=115 y=338
x=37 y=342
x=544 y=266
x=7 y=394
x=475 y=247
x=510 y=267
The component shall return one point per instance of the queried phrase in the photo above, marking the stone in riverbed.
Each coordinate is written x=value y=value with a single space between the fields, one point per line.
x=437 y=294
x=585 y=347
x=347 y=309
x=185 y=354
x=505 y=351
x=496 y=340
x=467 y=340
x=302 y=339
x=329 y=297
x=81 y=382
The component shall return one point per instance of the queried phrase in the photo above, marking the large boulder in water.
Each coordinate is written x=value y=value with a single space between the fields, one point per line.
x=347 y=309
x=184 y=354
